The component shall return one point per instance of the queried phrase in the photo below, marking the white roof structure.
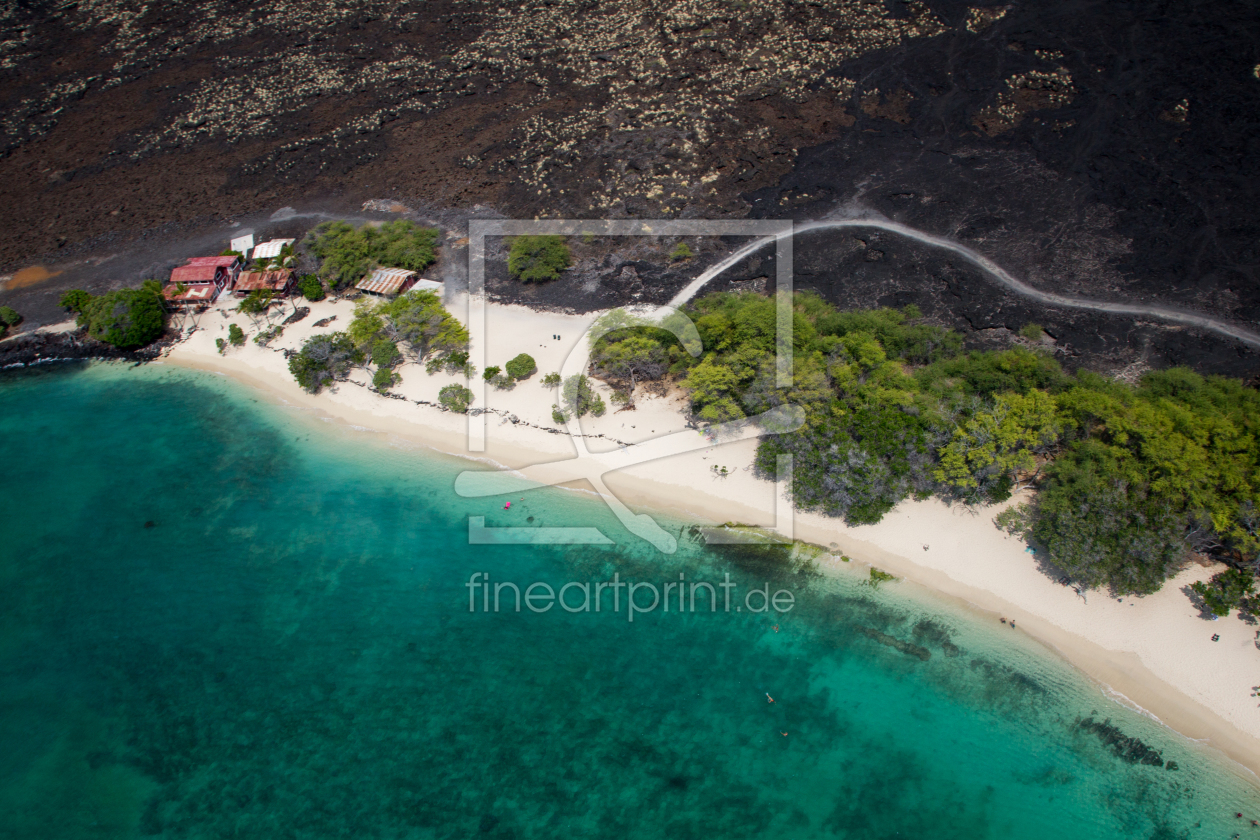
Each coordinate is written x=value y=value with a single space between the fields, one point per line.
x=243 y=243
x=428 y=285
x=271 y=249
x=386 y=281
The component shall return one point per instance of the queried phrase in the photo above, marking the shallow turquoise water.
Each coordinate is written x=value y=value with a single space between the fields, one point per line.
x=287 y=651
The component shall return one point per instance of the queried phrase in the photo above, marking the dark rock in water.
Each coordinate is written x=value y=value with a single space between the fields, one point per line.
x=893 y=642
x=1123 y=746
x=150 y=524
x=1172 y=765
x=529 y=519
x=298 y=314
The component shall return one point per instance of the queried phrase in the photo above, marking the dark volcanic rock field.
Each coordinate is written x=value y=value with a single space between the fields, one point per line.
x=1100 y=149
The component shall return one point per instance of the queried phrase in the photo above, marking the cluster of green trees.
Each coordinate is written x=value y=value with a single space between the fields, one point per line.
x=125 y=318
x=416 y=321
x=1130 y=478
x=347 y=253
x=536 y=259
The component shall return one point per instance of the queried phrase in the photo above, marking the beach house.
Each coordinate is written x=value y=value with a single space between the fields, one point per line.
x=388 y=281
x=201 y=279
x=280 y=281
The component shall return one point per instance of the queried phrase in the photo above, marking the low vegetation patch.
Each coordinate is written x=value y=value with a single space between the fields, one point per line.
x=536 y=259
x=456 y=398
x=347 y=253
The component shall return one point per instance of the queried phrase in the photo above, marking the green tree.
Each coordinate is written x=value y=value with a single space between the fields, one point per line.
x=578 y=397
x=456 y=398
x=635 y=357
x=385 y=353
x=522 y=366
x=491 y=372
x=323 y=359
x=535 y=259
x=9 y=316
x=125 y=318
x=384 y=379
x=714 y=388
x=310 y=287
x=236 y=336
x=256 y=302
x=1000 y=442
x=1227 y=591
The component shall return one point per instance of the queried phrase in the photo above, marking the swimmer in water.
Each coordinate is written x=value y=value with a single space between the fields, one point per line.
x=769 y=698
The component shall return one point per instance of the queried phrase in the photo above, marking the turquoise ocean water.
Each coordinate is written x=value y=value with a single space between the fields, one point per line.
x=223 y=618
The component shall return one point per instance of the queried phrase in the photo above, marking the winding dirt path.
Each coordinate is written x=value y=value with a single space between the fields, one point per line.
x=1001 y=275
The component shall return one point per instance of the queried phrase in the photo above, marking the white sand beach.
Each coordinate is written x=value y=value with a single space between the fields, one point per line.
x=1155 y=653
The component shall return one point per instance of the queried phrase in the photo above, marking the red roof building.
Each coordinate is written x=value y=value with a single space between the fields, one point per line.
x=280 y=282
x=194 y=294
x=221 y=270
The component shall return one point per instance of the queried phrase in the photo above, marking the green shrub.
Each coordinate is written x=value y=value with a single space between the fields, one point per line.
x=1229 y=590
x=385 y=353
x=74 y=300
x=310 y=287
x=323 y=359
x=681 y=252
x=268 y=335
x=9 y=316
x=580 y=398
x=125 y=318
x=384 y=379
x=535 y=259
x=456 y=398
x=491 y=372
x=222 y=345
x=557 y=416
x=521 y=367
x=1032 y=332
x=347 y=254
x=236 y=336
x=551 y=380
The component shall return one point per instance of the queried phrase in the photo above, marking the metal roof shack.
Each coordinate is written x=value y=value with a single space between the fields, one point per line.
x=223 y=270
x=227 y=261
x=199 y=274
x=192 y=295
x=279 y=282
x=388 y=281
x=267 y=250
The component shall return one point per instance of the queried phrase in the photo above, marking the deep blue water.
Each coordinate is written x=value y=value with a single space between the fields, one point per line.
x=224 y=618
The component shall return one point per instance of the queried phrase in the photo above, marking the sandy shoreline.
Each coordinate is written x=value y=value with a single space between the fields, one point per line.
x=1155 y=652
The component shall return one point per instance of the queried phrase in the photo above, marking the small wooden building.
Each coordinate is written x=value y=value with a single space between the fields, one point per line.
x=388 y=281
x=281 y=282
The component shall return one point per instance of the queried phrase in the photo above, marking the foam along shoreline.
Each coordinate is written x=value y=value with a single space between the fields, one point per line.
x=1153 y=653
